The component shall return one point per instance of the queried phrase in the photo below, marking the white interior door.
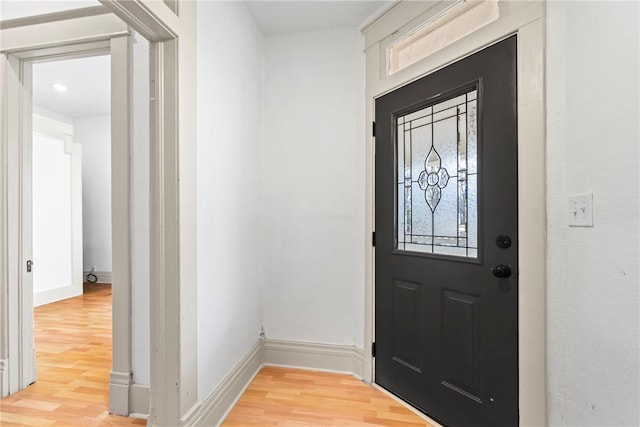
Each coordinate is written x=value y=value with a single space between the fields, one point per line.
x=56 y=212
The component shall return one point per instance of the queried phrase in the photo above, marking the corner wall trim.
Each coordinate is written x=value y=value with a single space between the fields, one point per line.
x=220 y=402
x=326 y=357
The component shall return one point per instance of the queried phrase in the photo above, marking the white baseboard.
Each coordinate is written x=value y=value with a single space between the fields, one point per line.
x=126 y=398
x=139 y=401
x=219 y=403
x=103 y=276
x=324 y=357
x=4 y=378
x=56 y=294
x=119 y=385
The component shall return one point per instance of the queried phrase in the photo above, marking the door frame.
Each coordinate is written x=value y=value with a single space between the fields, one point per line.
x=115 y=42
x=171 y=31
x=526 y=19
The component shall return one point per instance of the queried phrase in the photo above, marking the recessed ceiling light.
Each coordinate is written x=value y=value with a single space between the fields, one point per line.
x=60 y=87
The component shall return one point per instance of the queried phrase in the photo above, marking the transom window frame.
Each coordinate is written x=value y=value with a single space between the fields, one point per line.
x=448 y=22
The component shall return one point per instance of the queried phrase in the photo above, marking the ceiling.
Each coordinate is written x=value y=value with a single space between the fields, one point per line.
x=88 y=85
x=281 y=17
x=272 y=17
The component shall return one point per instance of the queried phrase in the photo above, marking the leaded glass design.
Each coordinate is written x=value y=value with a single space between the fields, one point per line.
x=437 y=178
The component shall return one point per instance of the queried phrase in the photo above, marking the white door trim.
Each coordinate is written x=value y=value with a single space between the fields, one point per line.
x=526 y=19
x=121 y=124
x=173 y=204
x=16 y=343
x=61 y=32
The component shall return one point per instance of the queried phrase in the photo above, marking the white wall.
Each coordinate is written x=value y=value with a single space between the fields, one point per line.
x=140 y=320
x=312 y=188
x=94 y=134
x=229 y=138
x=592 y=146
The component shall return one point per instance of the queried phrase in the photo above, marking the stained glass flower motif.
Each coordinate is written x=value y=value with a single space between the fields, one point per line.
x=433 y=179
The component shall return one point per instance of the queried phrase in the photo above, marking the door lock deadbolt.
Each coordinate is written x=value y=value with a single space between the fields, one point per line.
x=503 y=242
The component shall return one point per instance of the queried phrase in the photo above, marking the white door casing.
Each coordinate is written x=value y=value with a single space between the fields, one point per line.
x=526 y=20
x=18 y=301
x=172 y=157
x=121 y=99
x=173 y=204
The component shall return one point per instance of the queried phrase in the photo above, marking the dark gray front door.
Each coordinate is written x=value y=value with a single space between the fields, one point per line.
x=446 y=280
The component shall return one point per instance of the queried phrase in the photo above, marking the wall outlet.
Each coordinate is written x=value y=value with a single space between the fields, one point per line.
x=93 y=267
x=581 y=210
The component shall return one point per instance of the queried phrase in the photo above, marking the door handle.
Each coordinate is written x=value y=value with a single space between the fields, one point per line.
x=501 y=271
x=29 y=266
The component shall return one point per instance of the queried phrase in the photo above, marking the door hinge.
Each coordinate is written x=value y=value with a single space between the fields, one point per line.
x=373 y=349
x=373 y=129
x=373 y=239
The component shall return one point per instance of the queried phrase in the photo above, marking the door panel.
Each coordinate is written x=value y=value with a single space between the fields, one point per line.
x=446 y=191
x=406 y=320
x=55 y=212
x=460 y=342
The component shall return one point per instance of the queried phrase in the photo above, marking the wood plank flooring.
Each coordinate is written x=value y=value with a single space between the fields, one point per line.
x=73 y=352
x=73 y=360
x=291 y=397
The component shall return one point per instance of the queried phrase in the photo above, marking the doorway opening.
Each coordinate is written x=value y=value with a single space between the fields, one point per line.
x=109 y=27
x=71 y=214
x=81 y=97
x=71 y=223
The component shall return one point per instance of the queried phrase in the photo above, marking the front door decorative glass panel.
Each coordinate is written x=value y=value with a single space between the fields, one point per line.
x=437 y=178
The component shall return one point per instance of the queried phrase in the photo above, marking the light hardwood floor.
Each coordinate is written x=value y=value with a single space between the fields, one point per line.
x=291 y=397
x=73 y=352
x=73 y=360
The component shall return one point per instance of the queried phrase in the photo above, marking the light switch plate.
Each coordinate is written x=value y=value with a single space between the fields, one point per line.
x=581 y=210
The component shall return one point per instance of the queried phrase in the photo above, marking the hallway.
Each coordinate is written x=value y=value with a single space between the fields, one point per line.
x=73 y=360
